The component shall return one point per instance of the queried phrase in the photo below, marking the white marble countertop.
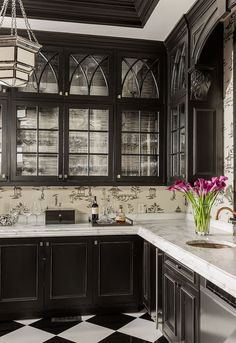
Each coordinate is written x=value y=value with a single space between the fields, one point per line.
x=170 y=235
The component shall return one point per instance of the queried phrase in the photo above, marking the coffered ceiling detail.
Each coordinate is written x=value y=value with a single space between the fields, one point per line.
x=133 y=13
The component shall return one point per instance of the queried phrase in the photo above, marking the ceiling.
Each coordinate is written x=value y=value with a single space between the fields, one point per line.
x=165 y=14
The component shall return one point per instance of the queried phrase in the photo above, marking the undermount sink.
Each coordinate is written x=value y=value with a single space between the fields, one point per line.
x=210 y=244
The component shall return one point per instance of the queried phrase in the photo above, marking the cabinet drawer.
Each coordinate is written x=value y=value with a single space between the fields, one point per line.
x=60 y=217
x=188 y=274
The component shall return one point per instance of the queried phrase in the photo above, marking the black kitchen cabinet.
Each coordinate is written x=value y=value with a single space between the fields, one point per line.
x=21 y=278
x=181 y=302
x=68 y=278
x=117 y=273
x=4 y=140
x=149 y=278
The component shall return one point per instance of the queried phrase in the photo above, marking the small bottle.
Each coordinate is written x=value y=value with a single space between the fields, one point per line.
x=95 y=210
x=120 y=218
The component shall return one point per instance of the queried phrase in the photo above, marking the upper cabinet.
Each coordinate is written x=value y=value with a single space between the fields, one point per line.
x=90 y=116
x=177 y=50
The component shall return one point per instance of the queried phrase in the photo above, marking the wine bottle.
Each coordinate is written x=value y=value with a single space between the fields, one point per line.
x=120 y=218
x=95 y=210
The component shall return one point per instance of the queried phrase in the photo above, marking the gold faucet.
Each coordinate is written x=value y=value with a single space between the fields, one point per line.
x=226 y=209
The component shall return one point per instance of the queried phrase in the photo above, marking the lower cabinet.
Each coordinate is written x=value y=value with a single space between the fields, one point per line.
x=69 y=275
x=181 y=303
x=21 y=277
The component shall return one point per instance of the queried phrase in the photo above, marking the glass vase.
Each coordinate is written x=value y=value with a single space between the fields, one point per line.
x=202 y=219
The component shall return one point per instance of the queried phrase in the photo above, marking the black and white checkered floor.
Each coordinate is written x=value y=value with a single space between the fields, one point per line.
x=122 y=328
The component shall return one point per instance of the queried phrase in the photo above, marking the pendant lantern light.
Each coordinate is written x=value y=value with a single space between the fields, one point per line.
x=17 y=54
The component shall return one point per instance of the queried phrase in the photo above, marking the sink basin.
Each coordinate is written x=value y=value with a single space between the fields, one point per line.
x=210 y=244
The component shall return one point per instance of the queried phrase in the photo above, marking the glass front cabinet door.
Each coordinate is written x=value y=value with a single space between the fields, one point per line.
x=4 y=142
x=37 y=142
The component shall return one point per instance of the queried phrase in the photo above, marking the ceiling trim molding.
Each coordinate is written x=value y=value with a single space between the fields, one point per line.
x=132 y=13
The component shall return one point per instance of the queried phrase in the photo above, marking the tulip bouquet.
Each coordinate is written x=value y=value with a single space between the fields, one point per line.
x=202 y=196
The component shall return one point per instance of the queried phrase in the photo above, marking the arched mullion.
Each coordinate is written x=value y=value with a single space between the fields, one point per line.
x=181 y=67
x=81 y=68
x=130 y=66
x=175 y=71
x=95 y=70
x=149 y=70
x=48 y=64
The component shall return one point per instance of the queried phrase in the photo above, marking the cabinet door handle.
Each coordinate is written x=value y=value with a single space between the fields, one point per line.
x=47 y=244
x=96 y=242
x=41 y=244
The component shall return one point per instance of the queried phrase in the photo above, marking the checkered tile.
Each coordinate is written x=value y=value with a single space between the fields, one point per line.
x=122 y=328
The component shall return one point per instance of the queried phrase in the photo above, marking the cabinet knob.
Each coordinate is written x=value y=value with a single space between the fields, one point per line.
x=65 y=176
x=47 y=244
x=118 y=96
x=66 y=93
x=96 y=242
x=118 y=176
x=3 y=176
x=41 y=244
x=60 y=93
x=60 y=176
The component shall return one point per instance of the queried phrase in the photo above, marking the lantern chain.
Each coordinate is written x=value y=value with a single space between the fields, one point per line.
x=30 y=33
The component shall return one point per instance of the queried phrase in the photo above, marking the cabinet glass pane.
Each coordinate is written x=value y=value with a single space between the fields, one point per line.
x=26 y=141
x=78 y=142
x=174 y=165
x=149 y=121
x=37 y=132
x=174 y=119
x=149 y=144
x=89 y=75
x=45 y=76
x=174 y=142
x=26 y=165
x=99 y=120
x=182 y=140
x=87 y=137
x=48 y=165
x=78 y=119
x=130 y=143
x=48 y=118
x=26 y=117
x=98 y=142
x=78 y=165
x=130 y=165
x=98 y=165
x=149 y=166
x=140 y=78
x=182 y=165
x=130 y=121
x=48 y=141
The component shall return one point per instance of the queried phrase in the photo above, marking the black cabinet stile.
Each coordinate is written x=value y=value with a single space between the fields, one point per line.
x=149 y=278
